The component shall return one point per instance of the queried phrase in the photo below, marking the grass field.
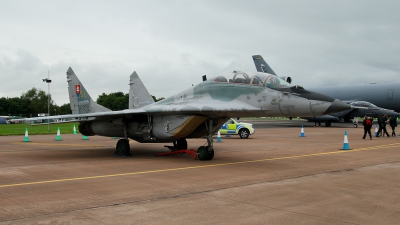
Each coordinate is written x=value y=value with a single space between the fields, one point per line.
x=19 y=129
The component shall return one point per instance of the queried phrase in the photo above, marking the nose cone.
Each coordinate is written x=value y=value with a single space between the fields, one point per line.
x=337 y=106
x=390 y=112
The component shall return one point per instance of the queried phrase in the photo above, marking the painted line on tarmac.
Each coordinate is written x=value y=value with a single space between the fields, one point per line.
x=203 y=166
x=56 y=144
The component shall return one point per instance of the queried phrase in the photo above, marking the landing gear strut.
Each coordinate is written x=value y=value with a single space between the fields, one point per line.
x=123 y=148
x=207 y=152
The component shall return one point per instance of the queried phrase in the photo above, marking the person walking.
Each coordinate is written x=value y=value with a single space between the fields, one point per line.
x=379 y=125
x=393 y=124
x=367 y=123
x=383 y=125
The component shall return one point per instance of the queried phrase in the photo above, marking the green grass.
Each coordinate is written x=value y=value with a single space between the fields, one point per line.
x=19 y=129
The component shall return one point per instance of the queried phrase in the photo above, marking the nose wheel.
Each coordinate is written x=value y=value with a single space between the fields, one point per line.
x=203 y=153
x=207 y=152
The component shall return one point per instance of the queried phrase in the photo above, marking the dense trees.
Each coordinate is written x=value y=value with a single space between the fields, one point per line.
x=30 y=104
x=114 y=101
x=34 y=101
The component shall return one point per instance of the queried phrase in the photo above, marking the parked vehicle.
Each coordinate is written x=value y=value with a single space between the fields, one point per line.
x=244 y=130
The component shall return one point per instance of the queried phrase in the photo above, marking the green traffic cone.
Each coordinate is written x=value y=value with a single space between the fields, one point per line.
x=26 y=138
x=74 y=130
x=85 y=138
x=58 y=138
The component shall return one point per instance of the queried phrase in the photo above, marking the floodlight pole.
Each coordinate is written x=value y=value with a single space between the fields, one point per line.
x=48 y=81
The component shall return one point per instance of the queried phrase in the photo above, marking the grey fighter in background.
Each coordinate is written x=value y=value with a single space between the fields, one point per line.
x=363 y=98
x=196 y=112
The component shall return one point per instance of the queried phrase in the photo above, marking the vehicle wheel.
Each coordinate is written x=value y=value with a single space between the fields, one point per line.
x=317 y=124
x=122 y=148
x=244 y=133
x=328 y=124
x=355 y=125
x=180 y=144
x=202 y=153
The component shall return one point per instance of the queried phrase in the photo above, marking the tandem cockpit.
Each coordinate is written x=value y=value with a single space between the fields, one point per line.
x=254 y=79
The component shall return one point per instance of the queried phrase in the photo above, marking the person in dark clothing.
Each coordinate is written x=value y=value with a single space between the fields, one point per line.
x=383 y=125
x=367 y=123
x=379 y=125
x=393 y=124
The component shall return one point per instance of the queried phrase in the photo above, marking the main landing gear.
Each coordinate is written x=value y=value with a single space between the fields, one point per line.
x=123 y=148
x=203 y=152
x=207 y=152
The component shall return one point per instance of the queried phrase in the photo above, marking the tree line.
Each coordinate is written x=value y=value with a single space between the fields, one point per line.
x=35 y=102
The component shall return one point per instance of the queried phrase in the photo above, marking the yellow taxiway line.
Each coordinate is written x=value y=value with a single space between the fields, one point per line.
x=204 y=166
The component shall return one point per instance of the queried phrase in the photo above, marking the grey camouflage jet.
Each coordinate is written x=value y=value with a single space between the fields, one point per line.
x=359 y=96
x=196 y=112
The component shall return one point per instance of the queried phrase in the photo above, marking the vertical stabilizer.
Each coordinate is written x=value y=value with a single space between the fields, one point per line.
x=261 y=65
x=138 y=94
x=79 y=98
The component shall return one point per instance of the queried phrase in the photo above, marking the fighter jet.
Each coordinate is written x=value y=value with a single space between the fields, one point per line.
x=196 y=112
x=361 y=109
x=355 y=95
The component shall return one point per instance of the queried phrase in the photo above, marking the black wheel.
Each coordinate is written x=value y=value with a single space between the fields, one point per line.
x=355 y=125
x=210 y=154
x=180 y=144
x=202 y=153
x=317 y=124
x=122 y=148
x=328 y=124
x=244 y=133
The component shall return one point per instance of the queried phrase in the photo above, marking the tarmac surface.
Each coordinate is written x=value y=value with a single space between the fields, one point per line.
x=273 y=177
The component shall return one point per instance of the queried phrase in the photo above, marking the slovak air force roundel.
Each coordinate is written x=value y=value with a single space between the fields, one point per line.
x=78 y=90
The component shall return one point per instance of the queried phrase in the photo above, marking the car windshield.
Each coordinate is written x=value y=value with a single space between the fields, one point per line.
x=255 y=79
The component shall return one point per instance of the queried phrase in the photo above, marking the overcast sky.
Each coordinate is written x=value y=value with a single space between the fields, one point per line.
x=171 y=44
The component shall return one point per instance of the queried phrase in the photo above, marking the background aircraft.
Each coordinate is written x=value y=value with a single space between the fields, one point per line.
x=364 y=97
x=196 y=112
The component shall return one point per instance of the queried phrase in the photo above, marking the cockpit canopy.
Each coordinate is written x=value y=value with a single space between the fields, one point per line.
x=256 y=79
x=364 y=104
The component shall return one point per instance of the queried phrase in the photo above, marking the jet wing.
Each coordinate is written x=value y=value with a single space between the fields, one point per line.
x=208 y=109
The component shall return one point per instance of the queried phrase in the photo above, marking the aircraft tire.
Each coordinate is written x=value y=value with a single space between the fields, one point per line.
x=244 y=133
x=355 y=125
x=180 y=144
x=122 y=148
x=328 y=124
x=317 y=124
x=203 y=154
x=211 y=154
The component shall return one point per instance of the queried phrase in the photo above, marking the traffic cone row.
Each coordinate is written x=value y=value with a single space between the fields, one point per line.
x=58 y=137
x=345 y=141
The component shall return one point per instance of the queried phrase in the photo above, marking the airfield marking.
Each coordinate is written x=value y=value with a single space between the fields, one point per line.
x=56 y=144
x=203 y=166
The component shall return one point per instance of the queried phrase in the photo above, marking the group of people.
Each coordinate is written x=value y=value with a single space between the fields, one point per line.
x=382 y=121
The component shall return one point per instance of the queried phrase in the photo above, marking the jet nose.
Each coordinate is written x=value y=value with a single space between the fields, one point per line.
x=337 y=106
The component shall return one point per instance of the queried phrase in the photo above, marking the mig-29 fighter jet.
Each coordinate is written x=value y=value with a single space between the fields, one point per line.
x=196 y=112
